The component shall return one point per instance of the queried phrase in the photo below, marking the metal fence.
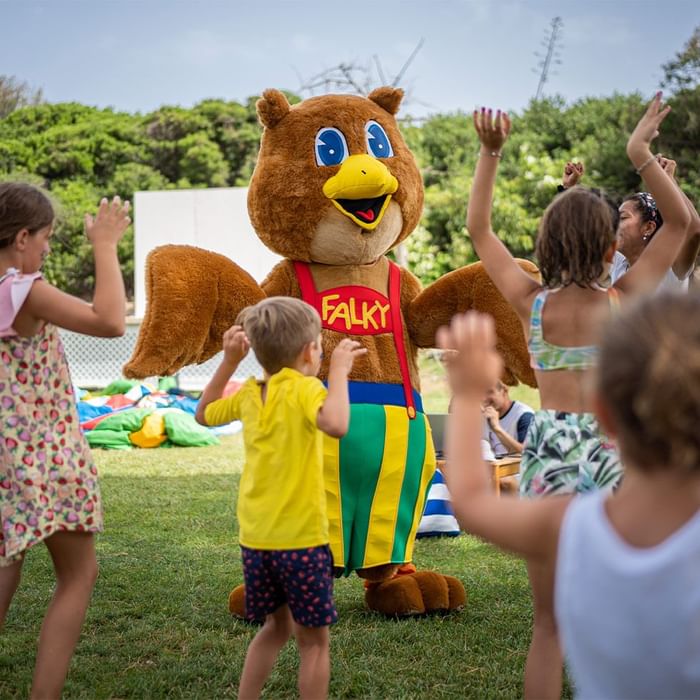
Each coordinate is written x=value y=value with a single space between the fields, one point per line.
x=95 y=362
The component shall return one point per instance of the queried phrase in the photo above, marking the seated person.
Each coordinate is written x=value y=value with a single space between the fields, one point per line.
x=506 y=421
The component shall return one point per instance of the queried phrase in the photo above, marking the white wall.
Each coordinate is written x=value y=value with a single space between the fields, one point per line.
x=214 y=219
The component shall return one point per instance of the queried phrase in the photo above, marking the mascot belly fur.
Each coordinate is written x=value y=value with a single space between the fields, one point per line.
x=334 y=189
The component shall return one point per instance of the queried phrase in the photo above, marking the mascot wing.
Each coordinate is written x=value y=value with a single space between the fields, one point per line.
x=470 y=288
x=193 y=296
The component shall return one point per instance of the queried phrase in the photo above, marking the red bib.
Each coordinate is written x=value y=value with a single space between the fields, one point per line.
x=356 y=310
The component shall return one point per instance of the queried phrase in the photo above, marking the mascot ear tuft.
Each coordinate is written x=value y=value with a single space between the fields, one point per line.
x=272 y=108
x=388 y=98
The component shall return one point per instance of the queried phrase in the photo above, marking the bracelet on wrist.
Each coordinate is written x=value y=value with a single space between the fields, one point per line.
x=646 y=163
x=493 y=154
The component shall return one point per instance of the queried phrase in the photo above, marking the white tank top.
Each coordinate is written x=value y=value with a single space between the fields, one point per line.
x=629 y=618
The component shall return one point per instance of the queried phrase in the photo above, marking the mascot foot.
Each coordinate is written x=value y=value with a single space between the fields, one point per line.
x=236 y=602
x=416 y=594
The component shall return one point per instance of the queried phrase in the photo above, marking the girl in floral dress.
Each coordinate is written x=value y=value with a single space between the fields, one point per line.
x=48 y=481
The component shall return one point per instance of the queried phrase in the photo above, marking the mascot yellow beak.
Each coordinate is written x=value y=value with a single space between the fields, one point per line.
x=362 y=190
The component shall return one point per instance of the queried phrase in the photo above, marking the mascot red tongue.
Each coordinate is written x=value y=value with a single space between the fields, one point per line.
x=334 y=189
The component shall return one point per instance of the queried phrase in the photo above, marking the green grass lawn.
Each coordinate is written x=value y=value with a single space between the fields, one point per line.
x=159 y=626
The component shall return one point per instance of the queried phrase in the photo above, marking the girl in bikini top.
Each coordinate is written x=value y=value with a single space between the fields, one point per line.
x=576 y=240
x=546 y=356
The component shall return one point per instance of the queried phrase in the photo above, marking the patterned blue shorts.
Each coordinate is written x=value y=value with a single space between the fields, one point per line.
x=299 y=578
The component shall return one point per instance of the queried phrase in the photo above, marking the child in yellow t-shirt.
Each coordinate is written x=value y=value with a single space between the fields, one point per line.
x=287 y=563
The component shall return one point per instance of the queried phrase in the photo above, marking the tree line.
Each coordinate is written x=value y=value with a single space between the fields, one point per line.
x=81 y=153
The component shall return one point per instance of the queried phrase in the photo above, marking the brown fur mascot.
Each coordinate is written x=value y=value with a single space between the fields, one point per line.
x=335 y=188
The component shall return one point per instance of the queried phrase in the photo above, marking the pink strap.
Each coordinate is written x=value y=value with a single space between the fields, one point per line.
x=14 y=290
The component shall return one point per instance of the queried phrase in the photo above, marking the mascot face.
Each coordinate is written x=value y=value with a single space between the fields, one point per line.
x=335 y=182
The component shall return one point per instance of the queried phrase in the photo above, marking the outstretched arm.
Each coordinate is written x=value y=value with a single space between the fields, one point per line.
x=685 y=261
x=104 y=317
x=334 y=416
x=664 y=247
x=194 y=296
x=516 y=286
x=528 y=528
x=235 y=347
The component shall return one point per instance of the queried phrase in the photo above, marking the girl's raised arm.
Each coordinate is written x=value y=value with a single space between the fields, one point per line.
x=515 y=285
x=664 y=247
x=685 y=261
x=105 y=316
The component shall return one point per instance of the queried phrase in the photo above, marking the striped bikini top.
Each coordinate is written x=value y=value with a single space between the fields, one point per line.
x=545 y=356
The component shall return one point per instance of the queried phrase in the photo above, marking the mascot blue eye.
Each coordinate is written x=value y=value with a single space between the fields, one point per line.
x=331 y=148
x=378 y=143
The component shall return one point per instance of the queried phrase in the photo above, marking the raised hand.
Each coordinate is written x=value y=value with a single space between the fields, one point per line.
x=344 y=355
x=492 y=132
x=110 y=222
x=475 y=366
x=647 y=128
x=236 y=345
x=668 y=165
x=573 y=172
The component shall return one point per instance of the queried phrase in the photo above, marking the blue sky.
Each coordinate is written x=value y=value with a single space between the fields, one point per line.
x=136 y=55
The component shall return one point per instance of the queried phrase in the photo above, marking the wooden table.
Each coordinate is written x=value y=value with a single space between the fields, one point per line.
x=506 y=466
x=501 y=468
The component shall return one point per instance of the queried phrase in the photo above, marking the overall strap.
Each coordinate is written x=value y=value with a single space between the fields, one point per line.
x=310 y=295
x=397 y=329
x=306 y=282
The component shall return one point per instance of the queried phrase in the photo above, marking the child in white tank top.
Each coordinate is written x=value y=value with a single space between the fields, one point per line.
x=566 y=449
x=627 y=581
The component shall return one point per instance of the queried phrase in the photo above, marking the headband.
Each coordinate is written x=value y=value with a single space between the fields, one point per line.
x=649 y=208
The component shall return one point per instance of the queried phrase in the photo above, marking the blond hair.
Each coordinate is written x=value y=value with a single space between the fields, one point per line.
x=278 y=328
x=649 y=378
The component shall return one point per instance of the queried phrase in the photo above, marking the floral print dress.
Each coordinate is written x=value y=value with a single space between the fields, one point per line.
x=48 y=480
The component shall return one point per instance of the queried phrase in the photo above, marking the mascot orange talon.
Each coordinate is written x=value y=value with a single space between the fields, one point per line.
x=334 y=189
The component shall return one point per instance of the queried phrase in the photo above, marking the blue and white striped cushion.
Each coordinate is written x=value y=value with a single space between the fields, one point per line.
x=438 y=517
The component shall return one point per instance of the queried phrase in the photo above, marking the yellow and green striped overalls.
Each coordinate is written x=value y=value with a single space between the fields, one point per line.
x=378 y=475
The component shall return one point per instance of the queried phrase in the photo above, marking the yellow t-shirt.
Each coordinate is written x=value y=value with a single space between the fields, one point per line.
x=282 y=499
